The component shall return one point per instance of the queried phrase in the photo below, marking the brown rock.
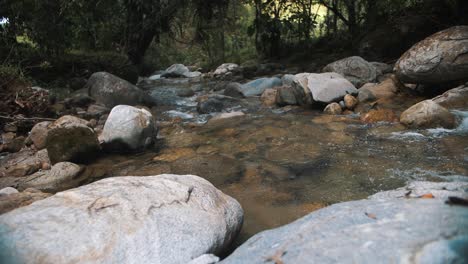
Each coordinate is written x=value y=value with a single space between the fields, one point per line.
x=454 y=99
x=350 y=101
x=38 y=134
x=269 y=97
x=427 y=114
x=16 y=200
x=380 y=115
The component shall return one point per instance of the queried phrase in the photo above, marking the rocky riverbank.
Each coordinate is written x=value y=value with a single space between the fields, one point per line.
x=281 y=142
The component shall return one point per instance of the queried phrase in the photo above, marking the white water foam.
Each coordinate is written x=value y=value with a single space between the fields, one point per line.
x=462 y=128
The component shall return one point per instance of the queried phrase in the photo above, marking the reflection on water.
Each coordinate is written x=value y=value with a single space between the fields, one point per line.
x=282 y=166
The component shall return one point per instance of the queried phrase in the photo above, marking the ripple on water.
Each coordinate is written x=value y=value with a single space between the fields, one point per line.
x=419 y=174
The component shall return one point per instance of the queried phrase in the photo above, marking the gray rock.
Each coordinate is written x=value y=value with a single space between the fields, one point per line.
x=355 y=69
x=110 y=90
x=234 y=89
x=456 y=98
x=439 y=58
x=185 y=92
x=377 y=230
x=62 y=176
x=324 y=88
x=154 y=219
x=225 y=69
x=128 y=128
x=382 y=68
x=427 y=114
x=286 y=95
x=175 y=71
x=288 y=79
x=205 y=259
x=70 y=139
x=194 y=74
x=8 y=191
x=38 y=134
x=257 y=87
x=211 y=105
x=97 y=110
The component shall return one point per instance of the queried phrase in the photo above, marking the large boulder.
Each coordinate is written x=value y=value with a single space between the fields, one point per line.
x=155 y=219
x=128 y=128
x=355 y=69
x=70 y=139
x=390 y=227
x=323 y=88
x=456 y=98
x=440 y=58
x=110 y=90
x=427 y=114
x=257 y=87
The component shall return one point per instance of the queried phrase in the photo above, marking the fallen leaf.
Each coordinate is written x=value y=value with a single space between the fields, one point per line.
x=373 y=216
x=427 y=196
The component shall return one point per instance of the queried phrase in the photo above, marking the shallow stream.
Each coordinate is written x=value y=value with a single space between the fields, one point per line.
x=281 y=165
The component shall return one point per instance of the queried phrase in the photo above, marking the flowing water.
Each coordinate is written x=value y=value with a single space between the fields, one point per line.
x=281 y=165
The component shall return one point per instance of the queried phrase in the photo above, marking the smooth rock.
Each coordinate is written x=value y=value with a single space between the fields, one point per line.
x=257 y=87
x=128 y=128
x=8 y=191
x=38 y=134
x=355 y=69
x=62 y=176
x=154 y=219
x=111 y=90
x=440 y=58
x=225 y=68
x=350 y=101
x=456 y=98
x=427 y=114
x=70 y=139
x=333 y=109
x=380 y=229
x=323 y=88
x=175 y=71
x=185 y=92
x=372 y=92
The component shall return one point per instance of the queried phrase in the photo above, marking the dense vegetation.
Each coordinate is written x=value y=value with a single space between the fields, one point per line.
x=67 y=38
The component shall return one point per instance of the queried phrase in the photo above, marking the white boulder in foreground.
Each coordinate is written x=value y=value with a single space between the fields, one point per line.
x=155 y=219
x=386 y=228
